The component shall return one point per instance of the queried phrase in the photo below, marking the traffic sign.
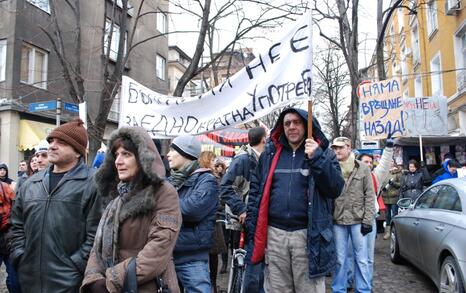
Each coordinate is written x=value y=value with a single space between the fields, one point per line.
x=43 y=106
x=71 y=107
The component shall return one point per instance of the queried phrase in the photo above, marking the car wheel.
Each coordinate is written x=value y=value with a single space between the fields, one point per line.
x=450 y=277
x=395 y=256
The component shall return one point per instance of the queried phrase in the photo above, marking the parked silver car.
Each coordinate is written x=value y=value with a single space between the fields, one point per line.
x=431 y=234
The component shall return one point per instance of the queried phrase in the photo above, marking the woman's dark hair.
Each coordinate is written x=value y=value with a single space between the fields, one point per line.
x=414 y=162
x=140 y=180
x=365 y=155
x=30 y=171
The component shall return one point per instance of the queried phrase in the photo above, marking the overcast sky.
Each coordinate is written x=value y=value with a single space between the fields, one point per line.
x=367 y=32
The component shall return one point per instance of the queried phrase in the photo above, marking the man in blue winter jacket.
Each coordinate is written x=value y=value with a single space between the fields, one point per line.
x=291 y=204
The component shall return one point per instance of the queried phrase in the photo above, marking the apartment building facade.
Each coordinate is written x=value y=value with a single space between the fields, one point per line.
x=31 y=72
x=425 y=45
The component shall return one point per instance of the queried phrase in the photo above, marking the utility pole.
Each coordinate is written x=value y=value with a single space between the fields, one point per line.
x=58 y=111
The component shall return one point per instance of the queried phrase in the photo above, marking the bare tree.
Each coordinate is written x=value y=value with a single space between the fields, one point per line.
x=113 y=68
x=269 y=14
x=332 y=80
x=345 y=13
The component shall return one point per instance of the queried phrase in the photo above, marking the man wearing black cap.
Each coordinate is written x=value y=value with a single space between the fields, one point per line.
x=55 y=216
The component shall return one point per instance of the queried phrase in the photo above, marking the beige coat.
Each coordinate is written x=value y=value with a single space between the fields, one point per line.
x=356 y=203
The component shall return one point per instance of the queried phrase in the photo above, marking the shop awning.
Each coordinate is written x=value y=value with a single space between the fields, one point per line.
x=31 y=132
x=431 y=140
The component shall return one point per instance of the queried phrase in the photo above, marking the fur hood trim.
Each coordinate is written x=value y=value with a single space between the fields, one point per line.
x=106 y=178
x=141 y=203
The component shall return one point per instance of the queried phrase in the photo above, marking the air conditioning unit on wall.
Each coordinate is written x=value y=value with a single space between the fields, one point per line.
x=451 y=6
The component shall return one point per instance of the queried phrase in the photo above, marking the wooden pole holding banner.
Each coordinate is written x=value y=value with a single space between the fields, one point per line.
x=309 y=119
x=420 y=148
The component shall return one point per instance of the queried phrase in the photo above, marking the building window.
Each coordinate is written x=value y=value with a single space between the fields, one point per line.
x=161 y=22
x=42 y=4
x=34 y=66
x=460 y=57
x=415 y=45
x=130 y=7
x=404 y=64
x=2 y=59
x=392 y=36
x=401 y=20
x=114 y=113
x=114 y=41
x=436 y=77
x=431 y=17
x=160 y=65
x=418 y=86
x=405 y=94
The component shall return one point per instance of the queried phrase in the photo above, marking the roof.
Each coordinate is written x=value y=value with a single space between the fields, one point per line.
x=181 y=52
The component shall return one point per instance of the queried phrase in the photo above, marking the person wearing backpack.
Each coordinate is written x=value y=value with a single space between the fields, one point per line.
x=6 y=201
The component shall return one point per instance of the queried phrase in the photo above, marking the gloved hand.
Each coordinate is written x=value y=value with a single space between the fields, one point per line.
x=423 y=164
x=390 y=142
x=98 y=287
x=365 y=229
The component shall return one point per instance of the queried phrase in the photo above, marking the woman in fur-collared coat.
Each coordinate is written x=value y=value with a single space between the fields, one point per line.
x=142 y=220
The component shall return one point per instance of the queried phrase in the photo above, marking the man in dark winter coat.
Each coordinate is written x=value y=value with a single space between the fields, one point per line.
x=234 y=190
x=290 y=206
x=55 y=216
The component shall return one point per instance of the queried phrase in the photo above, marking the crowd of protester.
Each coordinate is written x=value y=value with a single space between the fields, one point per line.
x=136 y=220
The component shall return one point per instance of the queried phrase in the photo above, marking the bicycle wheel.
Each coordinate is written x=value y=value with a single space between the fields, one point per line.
x=237 y=282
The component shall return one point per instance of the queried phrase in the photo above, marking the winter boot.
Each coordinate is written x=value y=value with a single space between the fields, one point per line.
x=386 y=236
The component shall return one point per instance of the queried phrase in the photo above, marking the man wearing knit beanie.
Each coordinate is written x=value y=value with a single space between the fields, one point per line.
x=59 y=208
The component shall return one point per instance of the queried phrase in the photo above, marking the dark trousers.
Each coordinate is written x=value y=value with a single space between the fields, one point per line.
x=12 y=282
x=392 y=210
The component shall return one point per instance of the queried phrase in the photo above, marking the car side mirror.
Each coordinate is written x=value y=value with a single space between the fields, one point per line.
x=404 y=203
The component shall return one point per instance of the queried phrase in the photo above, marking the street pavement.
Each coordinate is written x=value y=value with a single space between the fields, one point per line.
x=388 y=277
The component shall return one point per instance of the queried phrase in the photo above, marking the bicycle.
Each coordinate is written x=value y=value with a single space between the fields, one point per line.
x=238 y=267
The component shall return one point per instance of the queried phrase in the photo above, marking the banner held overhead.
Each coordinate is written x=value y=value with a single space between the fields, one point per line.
x=273 y=79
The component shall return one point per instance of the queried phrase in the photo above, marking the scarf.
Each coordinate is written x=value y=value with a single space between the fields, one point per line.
x=106 y=238
x=178 y=177
x=347 y=166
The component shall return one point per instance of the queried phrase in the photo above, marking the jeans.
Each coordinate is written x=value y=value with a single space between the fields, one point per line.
x=194 y=276
x=12 y=282
x=254 y=275
x=343 y=233
x=370 y=251
x=392 y=211
x=349 y=263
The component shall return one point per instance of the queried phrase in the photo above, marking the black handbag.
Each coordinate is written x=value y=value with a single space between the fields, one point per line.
x=131 y=285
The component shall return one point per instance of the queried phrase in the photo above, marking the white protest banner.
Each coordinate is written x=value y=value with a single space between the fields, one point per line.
x=273 y=79
x=381 y=109
x=425 y=116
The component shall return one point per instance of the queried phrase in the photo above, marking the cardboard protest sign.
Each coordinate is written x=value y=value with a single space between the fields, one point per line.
x=381 y=109
x=273 y=79
x=425 y=116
